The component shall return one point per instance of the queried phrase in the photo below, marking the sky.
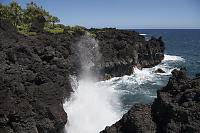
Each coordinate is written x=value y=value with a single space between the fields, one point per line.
x=123 y=14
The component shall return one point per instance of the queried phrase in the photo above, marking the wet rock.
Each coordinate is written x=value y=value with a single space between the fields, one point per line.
x=160 y=71
x=197 y=75
x=175 y=110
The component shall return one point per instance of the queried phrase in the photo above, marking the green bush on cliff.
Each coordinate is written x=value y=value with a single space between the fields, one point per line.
x=70 y=32
x=90 y=34
x=24 y=29
x=54 y=30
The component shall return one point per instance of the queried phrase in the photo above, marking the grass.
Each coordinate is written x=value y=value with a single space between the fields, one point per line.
x=55 y=30
x=70 y=32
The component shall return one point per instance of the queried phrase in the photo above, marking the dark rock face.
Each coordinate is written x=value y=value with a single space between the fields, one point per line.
x=38 y=24
x=197 y=75
x=34 y=81
x=159 y=71
x=122 y=50
x=137 y=120
x=175 y=110
x=178 y=104
x=7 y=26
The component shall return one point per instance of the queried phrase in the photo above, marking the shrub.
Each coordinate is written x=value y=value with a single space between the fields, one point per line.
x=54 y=30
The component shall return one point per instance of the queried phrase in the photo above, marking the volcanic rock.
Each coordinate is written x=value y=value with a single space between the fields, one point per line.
x=34 y=80
x=197 y=75
x=122 y=50
x=160 y=71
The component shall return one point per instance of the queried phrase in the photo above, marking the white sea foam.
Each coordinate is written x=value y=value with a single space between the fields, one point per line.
x=173 y=58
x=143 y=34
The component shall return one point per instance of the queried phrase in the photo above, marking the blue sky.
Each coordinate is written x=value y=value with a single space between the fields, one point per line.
x=132 y=14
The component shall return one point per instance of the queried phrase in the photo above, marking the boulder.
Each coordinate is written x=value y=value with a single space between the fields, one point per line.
x=160 y=71
x=197 y=75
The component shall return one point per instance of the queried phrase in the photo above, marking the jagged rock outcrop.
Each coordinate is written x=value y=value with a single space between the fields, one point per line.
x=159 y=70
x=122 y=50
x=175 y=110
x=34 y=80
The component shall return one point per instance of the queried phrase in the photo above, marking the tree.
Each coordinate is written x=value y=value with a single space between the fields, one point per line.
x=16 y=13
x=5 y=12
x=55 y=20
x=23 y=18
x=33 y=11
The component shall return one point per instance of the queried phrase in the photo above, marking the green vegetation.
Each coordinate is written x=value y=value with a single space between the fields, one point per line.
x=90 y=34
x=24 y=29
x=22 y=19
x=54 y=30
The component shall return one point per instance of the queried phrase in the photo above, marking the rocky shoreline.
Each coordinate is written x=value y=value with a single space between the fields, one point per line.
x=122 y=50
x=35 y=69
x=175 y=110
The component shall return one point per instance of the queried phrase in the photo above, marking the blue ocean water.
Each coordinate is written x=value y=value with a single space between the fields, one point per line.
x=182 y=50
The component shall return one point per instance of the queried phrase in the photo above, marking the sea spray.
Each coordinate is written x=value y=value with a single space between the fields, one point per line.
x=90 y=108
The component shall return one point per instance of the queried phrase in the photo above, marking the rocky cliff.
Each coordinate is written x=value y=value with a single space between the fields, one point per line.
x=175 y=110
x=35 y=70
x=34 y=80
x=122 y=50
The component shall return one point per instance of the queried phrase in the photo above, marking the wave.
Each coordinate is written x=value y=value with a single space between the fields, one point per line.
x=148 y=74
x=142 y=85
x=143 y=34
x=173 y=58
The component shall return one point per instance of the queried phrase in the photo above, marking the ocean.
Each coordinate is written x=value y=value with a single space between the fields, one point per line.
x=95 y=105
